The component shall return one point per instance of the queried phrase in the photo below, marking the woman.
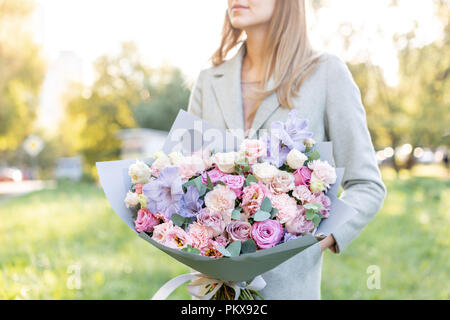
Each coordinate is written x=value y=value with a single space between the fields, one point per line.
x=276 y=70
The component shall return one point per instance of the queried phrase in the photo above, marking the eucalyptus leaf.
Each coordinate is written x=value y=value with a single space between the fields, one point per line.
x=236 y=214
x=177 y=219
x=266 y=205
x=310 y=214
x=316 y=219
x=224 y=251
x=273 y=213
x=208 y=179
x=314 y=155
x=234 y=248
x=251 y=178
x=248 y=246
x=261 y=215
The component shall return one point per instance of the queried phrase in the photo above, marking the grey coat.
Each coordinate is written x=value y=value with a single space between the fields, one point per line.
x=331 y=101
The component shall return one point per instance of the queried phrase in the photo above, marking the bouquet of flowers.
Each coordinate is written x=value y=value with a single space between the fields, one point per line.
x=219 y=212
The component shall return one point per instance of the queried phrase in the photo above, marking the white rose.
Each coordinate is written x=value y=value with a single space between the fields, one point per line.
x=264 y=172
x=131 y=200
x=176 y=158
x=295 y=159
x=139 y=172
x=225 y=161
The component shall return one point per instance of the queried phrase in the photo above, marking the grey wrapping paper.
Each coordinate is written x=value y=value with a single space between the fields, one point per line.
x=189 y=134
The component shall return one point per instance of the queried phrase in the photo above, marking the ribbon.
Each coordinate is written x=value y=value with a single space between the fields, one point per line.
x=201 y=284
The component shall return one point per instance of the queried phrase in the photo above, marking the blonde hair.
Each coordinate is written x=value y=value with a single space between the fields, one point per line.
x=289 y=56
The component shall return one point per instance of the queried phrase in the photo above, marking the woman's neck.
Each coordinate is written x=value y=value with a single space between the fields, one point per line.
x=253 y=60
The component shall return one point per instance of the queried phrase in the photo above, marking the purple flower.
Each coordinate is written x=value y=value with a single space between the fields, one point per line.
x=296 y=130
x=267 y=233
x=289 y=236
x=164 y=194
x=276 y=153
x=190 y=203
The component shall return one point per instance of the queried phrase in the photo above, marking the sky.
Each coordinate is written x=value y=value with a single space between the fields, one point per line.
x=186 y=33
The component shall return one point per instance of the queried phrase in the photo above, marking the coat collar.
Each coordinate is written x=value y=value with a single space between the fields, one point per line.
x=227 y=87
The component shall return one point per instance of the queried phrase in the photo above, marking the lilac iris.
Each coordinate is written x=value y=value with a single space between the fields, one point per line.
x=284 y=137
x=164 y=194
x=190 y=203
x=289 y=236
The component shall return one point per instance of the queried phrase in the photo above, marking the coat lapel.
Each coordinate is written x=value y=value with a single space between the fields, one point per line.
x=227 y=88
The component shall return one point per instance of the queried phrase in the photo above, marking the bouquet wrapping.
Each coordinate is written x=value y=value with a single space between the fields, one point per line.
x=229 y=208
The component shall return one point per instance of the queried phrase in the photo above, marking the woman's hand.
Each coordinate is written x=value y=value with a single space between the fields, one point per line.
x=328 y=242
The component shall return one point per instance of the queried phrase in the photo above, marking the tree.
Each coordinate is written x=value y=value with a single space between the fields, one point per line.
x=21 y=75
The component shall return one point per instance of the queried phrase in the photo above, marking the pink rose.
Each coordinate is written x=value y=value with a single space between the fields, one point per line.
x=176 y=238
x=234 y=182
x=321 y=198
x=205 y=154
x=211 y=219
x=253 y=196
x=215 y=175
x=211 y=250
x=299 y=224
x=302 y=176
x=222 y=240
x=239 y=230
x=286 y=205
x=145 y=221
x=220 y=199
x=253 y=149
x=267 y=233
x=302 y=193
x=200 y=235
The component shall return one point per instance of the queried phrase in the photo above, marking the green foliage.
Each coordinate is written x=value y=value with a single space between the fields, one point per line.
x=21 y=75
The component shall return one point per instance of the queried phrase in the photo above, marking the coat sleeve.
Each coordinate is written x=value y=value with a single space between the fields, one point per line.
x=196 y=98
x=346 y=127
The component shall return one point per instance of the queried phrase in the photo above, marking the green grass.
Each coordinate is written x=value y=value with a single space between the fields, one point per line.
x=46 y=234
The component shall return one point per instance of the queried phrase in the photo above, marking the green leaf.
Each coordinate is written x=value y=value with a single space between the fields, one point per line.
x=266 y=205
x=224 y=251
x=314 y=155
x=261 y=215
x=313 y=206
x=177 y=219
x=316 y=219
x=202 y=190
x=190 y=249
x=234 y=248
x=208 y=179
x=248 y=246
x=251 y=178
x=273 y=213
x=310 y=214
x=236 y=214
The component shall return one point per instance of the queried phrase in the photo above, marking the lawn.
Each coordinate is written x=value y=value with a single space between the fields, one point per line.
x=67 y=243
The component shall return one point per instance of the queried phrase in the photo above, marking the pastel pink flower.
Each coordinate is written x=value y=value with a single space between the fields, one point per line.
x=162 y=216
x=145 y=221
x=239 y=230
x=222 y=240
x=190 y=167
x=160 y=231
x=213 y=220
x=302 y=176
x=205 y=154
x=299 y=224
x=320 y=197
x=302 y=193
x=215 y=175
x=253 y=149
x=267 y=233
x=234 y=182
x=253 y=196
x=211 y=250
x=200 y=235
x=176 y=238
x=323 y=171
x=286 y=205
x=282 y=182
x=220 y=199
x=138 y=188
